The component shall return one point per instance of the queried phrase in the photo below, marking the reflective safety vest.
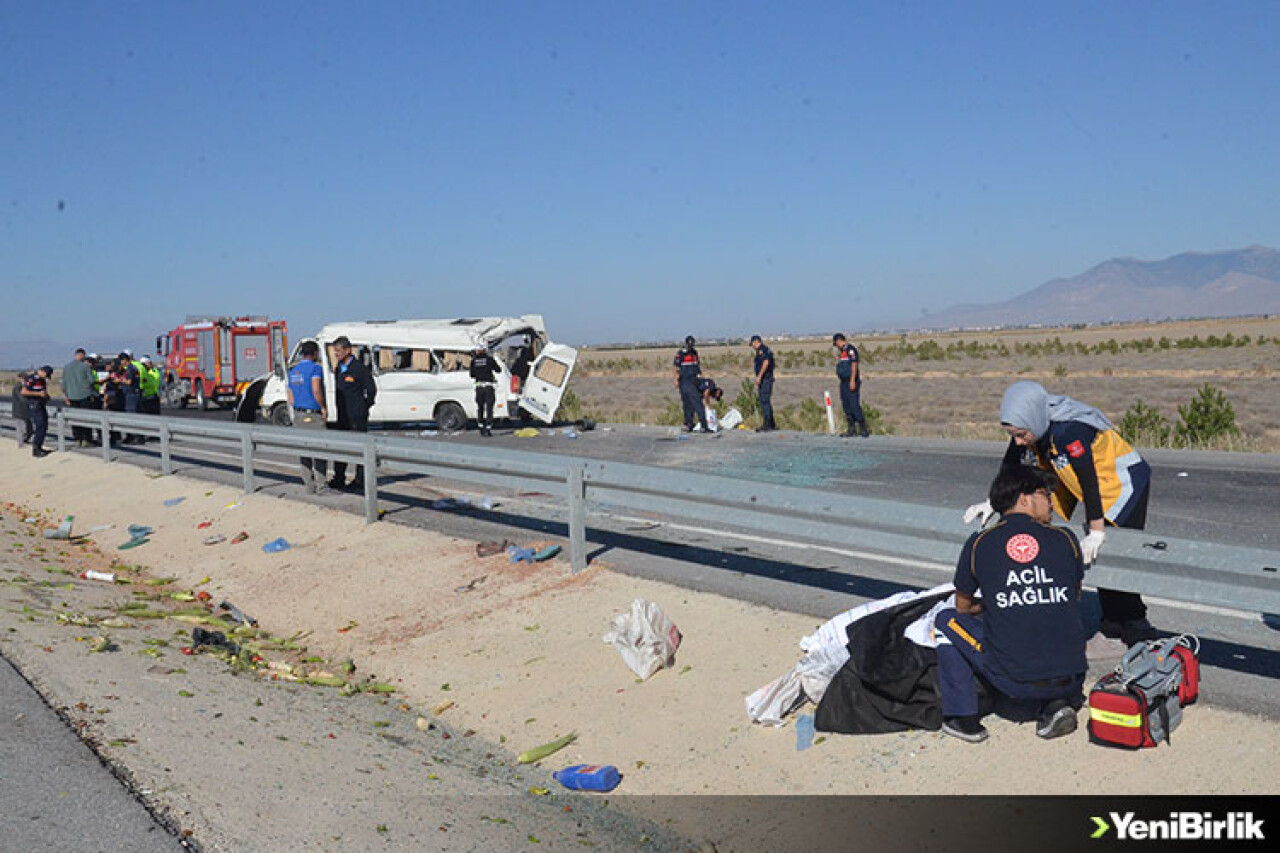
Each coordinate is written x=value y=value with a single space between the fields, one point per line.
x=149 y=380
x=1123 y=475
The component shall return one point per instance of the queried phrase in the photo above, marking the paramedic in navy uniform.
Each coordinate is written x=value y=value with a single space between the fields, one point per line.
x=1017 y=619
x=850 y=376
x=688 y=372
x=1094 y=466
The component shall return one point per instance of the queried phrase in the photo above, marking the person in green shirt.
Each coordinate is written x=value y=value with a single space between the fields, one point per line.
x=149 y=385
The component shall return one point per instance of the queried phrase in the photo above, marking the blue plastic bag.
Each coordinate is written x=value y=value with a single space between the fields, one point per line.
x=275 y=546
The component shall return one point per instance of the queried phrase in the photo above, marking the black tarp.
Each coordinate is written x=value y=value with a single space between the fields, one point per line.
x=889 y=684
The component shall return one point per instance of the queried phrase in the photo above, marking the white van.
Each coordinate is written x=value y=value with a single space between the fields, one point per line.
x=421 y=368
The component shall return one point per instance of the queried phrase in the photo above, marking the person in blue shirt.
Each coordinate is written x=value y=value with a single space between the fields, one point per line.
x=688 y=372
x=850 y=376
x=763 y=370
x=310 y=412
x=1017 y=619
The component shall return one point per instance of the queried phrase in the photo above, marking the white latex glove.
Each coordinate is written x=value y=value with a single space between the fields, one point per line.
x=982 y=512
x=1091 y=545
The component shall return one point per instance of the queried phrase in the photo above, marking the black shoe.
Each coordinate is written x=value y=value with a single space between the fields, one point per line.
x=39 y=452
x=1056 y=719
x=1137 y=631
x=848 y=434
x=864 y=433
x=335 y=483
x=968 y=729
x=355 y=486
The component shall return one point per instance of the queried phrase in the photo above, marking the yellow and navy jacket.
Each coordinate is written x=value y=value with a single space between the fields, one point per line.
x=1093 y=466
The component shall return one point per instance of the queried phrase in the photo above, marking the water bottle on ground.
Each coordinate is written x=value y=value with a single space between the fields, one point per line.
x=589 y=777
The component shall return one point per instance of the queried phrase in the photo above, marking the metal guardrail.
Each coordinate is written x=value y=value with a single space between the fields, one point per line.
x=1231 y=576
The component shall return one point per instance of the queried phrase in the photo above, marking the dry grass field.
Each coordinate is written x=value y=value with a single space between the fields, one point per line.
x=921 y=389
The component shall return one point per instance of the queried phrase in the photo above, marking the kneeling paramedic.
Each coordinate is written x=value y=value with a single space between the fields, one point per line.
x=1017 y=619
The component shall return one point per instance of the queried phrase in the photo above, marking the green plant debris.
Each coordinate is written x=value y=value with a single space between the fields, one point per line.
x=538 y=753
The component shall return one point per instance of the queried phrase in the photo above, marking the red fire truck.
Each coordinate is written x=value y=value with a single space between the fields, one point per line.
x=209 y=360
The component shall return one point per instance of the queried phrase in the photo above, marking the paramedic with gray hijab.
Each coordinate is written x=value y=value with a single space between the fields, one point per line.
x=1094 y=465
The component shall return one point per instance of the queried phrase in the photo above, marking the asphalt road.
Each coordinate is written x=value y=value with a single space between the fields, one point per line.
x=54 y=792
x=1220 y=497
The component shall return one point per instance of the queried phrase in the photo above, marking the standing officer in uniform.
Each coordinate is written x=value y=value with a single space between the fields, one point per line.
x=850 y=386
x=36 y=392
x=355 y=392
x=764 y=383
x=306 y=396
x=1025 y=635
x=483 y=372
x=688 y=369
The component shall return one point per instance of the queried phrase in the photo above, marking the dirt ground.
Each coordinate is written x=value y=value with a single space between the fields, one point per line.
x=960 y=397
x=514 y=652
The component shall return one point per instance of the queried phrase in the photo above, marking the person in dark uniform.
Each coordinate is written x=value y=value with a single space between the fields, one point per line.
x=850 y=376
x=355 y=393
x=484 y=373
x=1017 y=620
x=521 y=364
x=688 y=370
x=1094 y=466
x=764 y=382
x=36 y=393
x=22 y=411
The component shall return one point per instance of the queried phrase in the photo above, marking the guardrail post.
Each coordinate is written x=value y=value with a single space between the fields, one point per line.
x=166 y=460
x=577 y=519
x=246 y=460
x=370 y=482
x=105 y=435
x=60 y=420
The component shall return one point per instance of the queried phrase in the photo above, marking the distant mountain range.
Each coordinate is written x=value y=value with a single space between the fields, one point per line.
x=1193 y=284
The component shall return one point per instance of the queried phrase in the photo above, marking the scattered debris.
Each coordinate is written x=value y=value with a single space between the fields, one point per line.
x=239 y=537
x=646 y=638
x=237 y=614
x=277 y=545
x=214 y=639
x=518 y=555
x=214 y=539
x=442 y=707
x=204 y=525
x=804 y=732
x=95 y=575
x=138 y=534
x=174 y=501
x=491 y=548
x=546 y=553
x=527 y=432
x=469 y=587
x=63 y=530
x=538 y=753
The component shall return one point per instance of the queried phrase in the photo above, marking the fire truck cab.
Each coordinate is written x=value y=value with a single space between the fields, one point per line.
x=208 y=361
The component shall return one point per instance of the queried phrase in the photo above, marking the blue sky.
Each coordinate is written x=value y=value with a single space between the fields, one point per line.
x=632 y=170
